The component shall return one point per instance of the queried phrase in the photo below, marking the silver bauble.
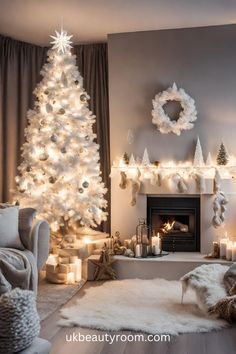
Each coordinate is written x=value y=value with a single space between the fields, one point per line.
x=83 y=98
x=54 y=138
x=85 y=184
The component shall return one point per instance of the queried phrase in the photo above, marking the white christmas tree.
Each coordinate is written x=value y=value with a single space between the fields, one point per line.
x=60 y=173
x=209 y=161
x=132 y=160
x=198 y=157
x=145 y=160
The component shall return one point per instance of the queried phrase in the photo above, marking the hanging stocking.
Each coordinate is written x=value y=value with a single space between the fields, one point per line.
x=200 y=182
x=135 y=187
x=219 y=204
x=123 y=181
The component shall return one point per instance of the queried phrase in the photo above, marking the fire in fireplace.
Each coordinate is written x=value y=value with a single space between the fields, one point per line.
x=177 y=220
x=173 y=227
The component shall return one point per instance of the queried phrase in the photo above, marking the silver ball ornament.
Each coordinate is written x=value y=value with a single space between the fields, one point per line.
x=54 y=138
x=83 y=98
x=85 y=184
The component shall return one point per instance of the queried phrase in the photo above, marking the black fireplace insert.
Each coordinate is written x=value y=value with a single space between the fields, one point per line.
x=177 y=220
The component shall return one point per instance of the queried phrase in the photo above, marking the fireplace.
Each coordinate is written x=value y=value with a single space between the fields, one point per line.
x=177 y=219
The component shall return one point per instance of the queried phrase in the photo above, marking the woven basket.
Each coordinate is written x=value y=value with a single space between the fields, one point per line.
x=19 y=320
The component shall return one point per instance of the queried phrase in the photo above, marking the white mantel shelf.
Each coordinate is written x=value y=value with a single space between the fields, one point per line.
x=170 y=267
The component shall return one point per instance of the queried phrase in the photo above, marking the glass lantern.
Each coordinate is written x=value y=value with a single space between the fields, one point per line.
x=143 y=237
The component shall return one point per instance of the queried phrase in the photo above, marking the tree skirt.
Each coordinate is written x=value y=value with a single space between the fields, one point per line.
x=152 y=306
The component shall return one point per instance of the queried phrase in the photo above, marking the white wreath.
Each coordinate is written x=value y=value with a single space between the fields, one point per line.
x=186 y=116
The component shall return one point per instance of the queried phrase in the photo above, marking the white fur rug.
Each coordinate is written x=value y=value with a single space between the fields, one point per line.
x=152 y=306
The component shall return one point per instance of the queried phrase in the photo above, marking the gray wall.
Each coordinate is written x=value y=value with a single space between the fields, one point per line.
x=200 y=60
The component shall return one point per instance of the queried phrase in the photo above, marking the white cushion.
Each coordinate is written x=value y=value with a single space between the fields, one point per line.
x=9 y=235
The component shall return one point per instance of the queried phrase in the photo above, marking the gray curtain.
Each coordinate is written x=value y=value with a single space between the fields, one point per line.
x=93 y=65
x=20 y=65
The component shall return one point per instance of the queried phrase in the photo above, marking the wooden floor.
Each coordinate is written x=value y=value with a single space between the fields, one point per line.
x=216 y=342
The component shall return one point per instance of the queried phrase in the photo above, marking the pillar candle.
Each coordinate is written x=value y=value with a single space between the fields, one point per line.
x=223 y=244
x=234 y=252
x=156 y=240
x=156 y=244
x=229 y=247
x=155 y=250
x=138 y=250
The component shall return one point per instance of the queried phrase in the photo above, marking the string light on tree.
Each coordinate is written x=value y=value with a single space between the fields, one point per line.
x=60 y=174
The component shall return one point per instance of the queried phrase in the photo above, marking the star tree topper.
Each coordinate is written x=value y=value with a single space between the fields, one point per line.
x=61 y=41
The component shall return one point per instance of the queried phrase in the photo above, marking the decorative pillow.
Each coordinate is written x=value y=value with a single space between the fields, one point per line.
x=207 y=282
x=19 y=320
x=26 y=218
x=9 y=235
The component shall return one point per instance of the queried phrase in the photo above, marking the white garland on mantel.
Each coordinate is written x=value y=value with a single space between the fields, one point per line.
x=186 y=117
x=134 y=173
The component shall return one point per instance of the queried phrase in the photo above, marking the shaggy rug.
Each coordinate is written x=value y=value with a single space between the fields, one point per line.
x=51 y=297
x=152 y=306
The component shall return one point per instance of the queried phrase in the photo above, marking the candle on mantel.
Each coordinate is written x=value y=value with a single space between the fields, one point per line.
x=229 y=247
x=156 y=244
x=234 y=252
x=223 y=246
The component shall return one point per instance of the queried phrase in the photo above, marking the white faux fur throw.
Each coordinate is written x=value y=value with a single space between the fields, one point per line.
x=152 y=306
x=207 y=282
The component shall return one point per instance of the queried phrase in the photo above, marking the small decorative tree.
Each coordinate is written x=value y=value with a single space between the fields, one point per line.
x=222 y=157
x=198 y=157
x=60 y=173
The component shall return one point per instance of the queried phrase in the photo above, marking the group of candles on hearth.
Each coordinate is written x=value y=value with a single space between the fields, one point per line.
x=145 y=244
x=228 y=248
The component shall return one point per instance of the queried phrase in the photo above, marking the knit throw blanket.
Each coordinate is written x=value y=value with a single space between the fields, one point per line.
x=226 y=307
x=15 y=270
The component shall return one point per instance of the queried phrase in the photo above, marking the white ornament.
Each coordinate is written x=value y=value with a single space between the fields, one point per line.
x=145 y=160
x=186 y=117
x=61 y=41
x=209 y=161
x=198 y=157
